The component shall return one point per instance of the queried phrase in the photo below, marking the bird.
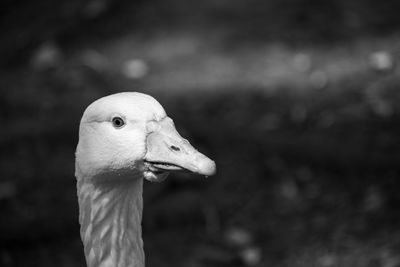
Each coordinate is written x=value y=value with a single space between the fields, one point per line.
x=124 y=139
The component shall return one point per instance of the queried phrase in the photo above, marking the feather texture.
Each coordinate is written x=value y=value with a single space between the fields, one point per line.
x=111 y=163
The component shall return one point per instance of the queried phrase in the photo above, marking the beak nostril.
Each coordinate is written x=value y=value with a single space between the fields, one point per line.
x=175 y=148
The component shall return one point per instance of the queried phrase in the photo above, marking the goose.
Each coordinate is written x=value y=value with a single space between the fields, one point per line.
x=125 y=138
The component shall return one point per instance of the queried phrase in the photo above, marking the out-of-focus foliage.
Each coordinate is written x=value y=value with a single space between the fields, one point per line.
x=26 y=24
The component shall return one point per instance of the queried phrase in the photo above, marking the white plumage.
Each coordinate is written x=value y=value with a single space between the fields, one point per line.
x=124 y=138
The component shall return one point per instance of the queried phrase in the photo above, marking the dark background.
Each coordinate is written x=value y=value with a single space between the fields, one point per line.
x=296 y=100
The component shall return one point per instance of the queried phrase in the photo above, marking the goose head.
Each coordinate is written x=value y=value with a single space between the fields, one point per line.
x=131 y=134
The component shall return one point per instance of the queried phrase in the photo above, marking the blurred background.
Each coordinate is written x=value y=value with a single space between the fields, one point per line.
x=296 y=100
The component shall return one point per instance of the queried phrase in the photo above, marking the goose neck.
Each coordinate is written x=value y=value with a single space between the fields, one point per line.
x=110 y=214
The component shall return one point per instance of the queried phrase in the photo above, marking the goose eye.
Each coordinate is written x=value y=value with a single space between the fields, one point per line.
x=118 y=122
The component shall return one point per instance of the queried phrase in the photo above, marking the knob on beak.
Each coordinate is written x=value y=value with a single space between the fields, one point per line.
x=168 y=151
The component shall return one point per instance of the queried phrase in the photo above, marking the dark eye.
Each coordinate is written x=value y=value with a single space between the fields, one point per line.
x=118 y=122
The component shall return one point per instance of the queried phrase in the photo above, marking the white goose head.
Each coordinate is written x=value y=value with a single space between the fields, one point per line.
x=131 y=132
x=123 y=138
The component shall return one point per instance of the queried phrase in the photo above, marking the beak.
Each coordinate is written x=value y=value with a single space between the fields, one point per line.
x=168 y=151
